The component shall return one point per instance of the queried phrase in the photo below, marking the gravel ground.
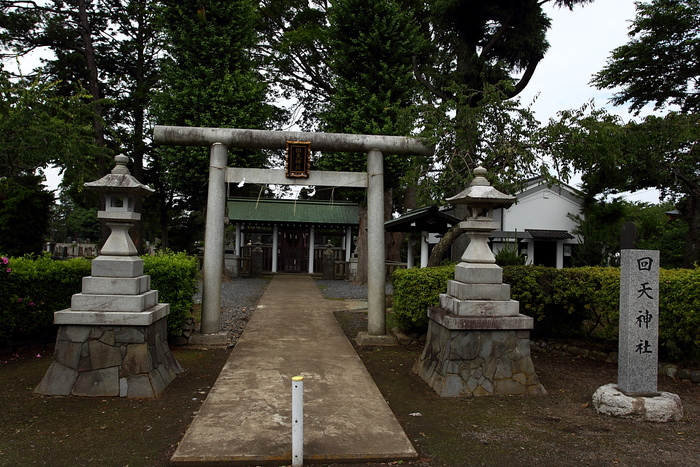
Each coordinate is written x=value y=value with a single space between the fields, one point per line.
x=341 y=290
x=239 y=297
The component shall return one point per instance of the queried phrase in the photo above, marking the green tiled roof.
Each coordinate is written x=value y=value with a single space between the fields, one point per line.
x=280 y=211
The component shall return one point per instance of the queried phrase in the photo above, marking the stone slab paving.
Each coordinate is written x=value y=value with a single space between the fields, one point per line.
x=246 y=419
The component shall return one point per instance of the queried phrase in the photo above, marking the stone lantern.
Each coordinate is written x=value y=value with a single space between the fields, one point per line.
x=121 y=190
x=112 y=341
x=481 y=199
x=478 y=343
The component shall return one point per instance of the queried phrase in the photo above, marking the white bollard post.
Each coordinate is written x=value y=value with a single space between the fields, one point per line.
x=297 y=421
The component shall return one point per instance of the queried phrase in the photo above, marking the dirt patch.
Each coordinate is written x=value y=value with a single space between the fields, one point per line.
x=72 y=431
x=561 y=428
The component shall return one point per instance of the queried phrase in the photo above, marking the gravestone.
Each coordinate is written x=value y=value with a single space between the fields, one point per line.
x=635 y=395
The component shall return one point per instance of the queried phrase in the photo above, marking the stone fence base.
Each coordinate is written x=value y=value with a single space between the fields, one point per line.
x=104 y=361
x=477 y=362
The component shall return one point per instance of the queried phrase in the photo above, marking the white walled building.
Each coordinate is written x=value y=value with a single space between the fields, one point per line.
x=541 y=223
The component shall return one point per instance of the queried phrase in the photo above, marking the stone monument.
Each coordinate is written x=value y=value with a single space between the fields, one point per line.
x=328 y=262
x=635 y=395
x=112 y=341
x=478 y=343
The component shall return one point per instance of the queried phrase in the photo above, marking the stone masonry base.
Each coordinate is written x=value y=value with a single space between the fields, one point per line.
x=104 y=361
x=477 y=362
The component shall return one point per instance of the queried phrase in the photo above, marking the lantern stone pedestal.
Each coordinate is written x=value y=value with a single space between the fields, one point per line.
x=478 y=343
x=112 y=341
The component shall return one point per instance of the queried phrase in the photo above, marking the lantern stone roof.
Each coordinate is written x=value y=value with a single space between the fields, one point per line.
x=120 y=180
x=481 y=191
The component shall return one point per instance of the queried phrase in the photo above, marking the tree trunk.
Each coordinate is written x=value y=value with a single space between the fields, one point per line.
x=361 y=274
x=692 y=239
x=392 y=240
x=94 y=89
x=94 y=83
x=138 y=111
x=443 y=245
x=163 y=203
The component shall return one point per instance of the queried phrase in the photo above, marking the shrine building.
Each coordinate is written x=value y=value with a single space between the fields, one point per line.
x=293 y=234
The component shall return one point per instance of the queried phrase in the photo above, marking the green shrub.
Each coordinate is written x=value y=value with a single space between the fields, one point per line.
x=568 y=303
x=33 y=288
x=572 y=302
x=679 y=312
x=509 y=255
x=174 y=275
x=414 y=291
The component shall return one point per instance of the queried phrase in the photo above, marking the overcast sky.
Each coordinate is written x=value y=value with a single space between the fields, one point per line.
x=580 y=43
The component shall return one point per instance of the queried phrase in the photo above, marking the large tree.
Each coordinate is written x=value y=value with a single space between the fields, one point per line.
x=210 y=79
x=615 y=156
x=72 y=30
x=466 y=55
x=479 y=55
x=109 y=48
x=497 y=134
x=37 y=128
x=294 y=42
x=476 y=44
x=660 y=64
x=106 y=51
x=371 y=42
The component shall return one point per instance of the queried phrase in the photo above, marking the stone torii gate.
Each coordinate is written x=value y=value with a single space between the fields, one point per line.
x=220 y=139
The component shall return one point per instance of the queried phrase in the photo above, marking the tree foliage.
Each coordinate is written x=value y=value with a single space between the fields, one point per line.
x=497 y=134
x=210 y=79
x=110 y=48
x=294 y=45
x=106 y=52
x=614 y=157
x=371 y=42
x=38 y=128
x=25 y=208
x=476 y=44
x=74 y=31
x=660 y=64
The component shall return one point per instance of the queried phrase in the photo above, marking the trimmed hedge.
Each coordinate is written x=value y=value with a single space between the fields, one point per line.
x=571 y=302
x=32 y=289
x=414 y=291
x=174 y=276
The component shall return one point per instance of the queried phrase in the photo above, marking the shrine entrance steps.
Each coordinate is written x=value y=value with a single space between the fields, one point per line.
x=246 y=419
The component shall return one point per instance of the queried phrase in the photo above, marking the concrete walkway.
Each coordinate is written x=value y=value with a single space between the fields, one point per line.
x=246 y=419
